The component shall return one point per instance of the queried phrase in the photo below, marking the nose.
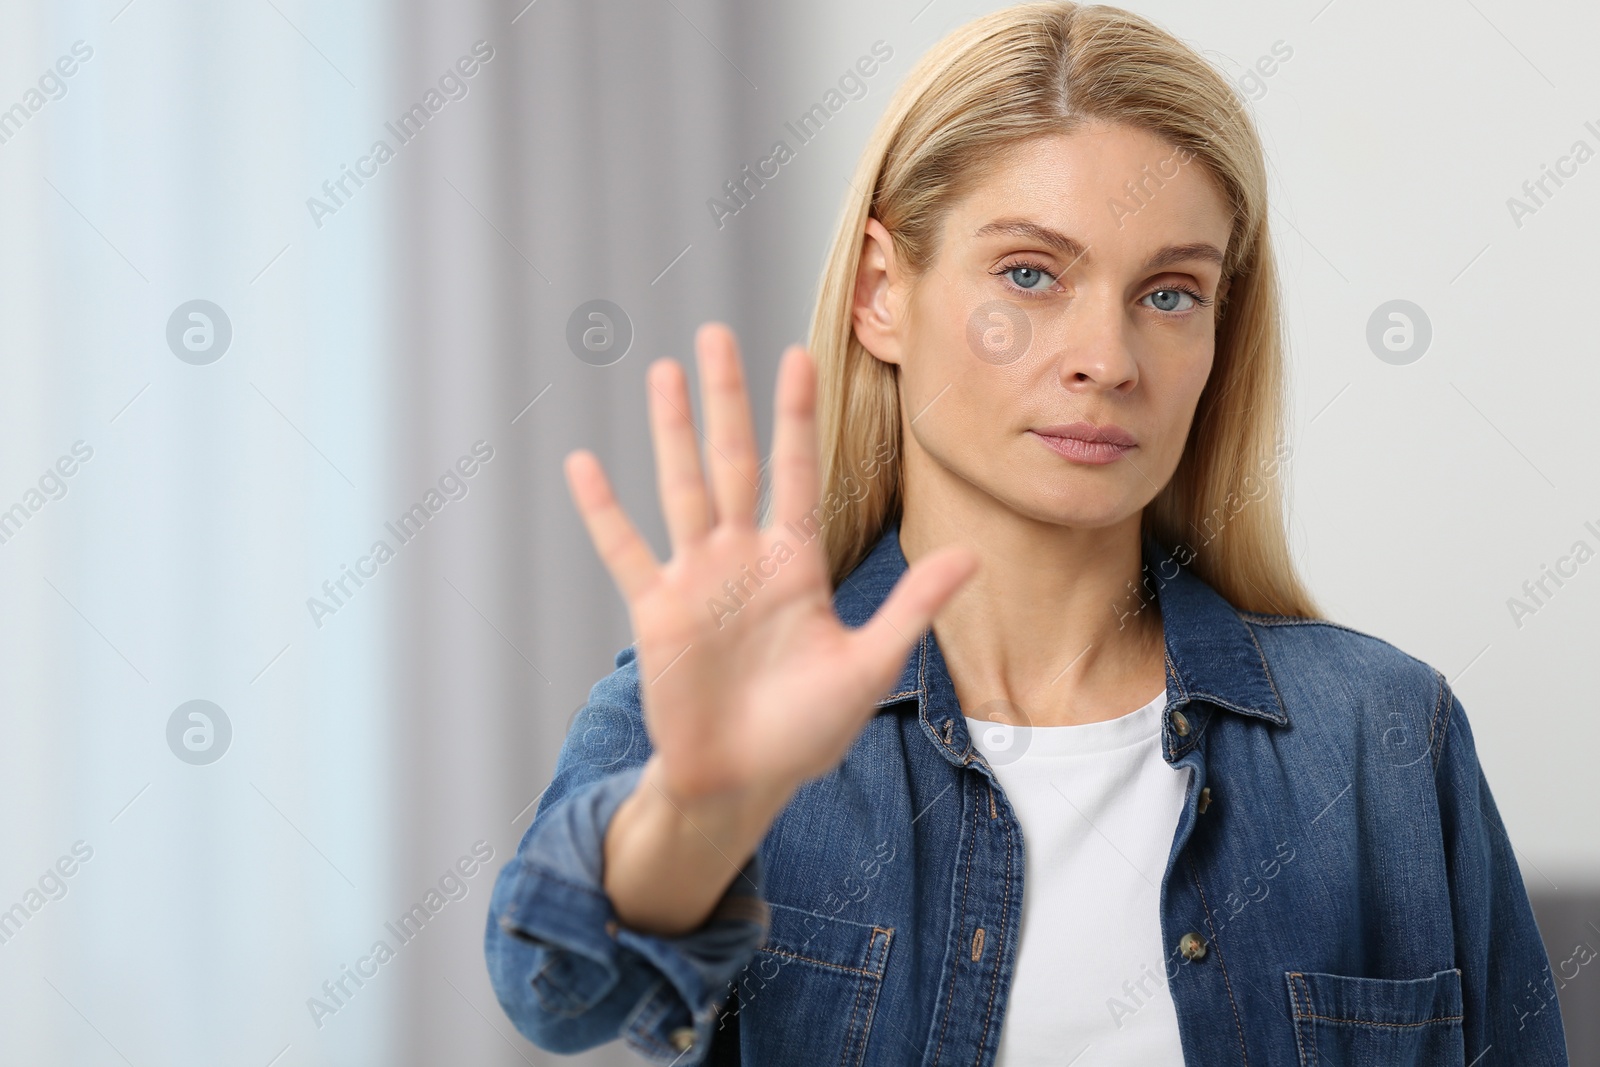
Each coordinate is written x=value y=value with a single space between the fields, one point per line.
x=1096 y=352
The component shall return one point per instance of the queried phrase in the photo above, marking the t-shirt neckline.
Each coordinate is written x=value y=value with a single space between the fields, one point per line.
x=1141 y=724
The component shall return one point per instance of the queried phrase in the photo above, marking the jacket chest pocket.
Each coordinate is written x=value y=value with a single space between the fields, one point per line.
x=1377 y=1022
x=811 y=991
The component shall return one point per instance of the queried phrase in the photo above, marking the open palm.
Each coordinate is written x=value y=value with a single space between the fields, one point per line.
x=748 y=679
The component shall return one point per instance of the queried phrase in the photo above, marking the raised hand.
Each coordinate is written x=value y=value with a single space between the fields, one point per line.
x=769 y=689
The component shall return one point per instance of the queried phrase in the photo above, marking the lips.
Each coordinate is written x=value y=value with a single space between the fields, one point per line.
x=1109 y=434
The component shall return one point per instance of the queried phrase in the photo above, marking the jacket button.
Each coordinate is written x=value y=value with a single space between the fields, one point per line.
x=682 y=1038
x=1205 y=799
x=1192 y=945
x=1180 y=724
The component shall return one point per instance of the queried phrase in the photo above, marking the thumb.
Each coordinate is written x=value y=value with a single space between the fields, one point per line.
x=885 y=640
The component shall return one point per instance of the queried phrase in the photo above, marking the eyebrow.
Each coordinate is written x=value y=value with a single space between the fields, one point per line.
x=1073 y=249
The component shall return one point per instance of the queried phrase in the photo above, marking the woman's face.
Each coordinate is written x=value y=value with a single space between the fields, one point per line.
x=1073 y=296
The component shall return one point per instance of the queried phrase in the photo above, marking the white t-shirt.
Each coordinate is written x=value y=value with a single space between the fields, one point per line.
x=1099 y=807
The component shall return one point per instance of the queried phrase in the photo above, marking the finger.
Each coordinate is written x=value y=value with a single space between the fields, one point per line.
x=626 y=555
x=794 y=440
x=679 y=479
x=730 y=432
x=885 y=640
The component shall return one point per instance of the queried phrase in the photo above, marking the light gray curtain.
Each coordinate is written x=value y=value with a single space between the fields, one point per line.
x=579 y=170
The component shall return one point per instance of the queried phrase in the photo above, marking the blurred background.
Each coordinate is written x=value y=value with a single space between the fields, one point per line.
x=241 y=345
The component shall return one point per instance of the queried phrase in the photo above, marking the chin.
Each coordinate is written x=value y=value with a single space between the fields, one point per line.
x=1082 y=510
x=1081 y=519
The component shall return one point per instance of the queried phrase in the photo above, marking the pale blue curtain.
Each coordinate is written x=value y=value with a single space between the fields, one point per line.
x=212 y=490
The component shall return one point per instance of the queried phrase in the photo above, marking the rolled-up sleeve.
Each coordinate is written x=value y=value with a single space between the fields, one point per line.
x=1509 y=1007
x=567 y=974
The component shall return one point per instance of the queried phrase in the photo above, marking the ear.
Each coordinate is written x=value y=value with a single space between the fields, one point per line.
x=878 y=308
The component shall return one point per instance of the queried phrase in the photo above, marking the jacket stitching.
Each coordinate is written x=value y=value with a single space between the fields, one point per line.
x=1306 y=1049
x=1005 y=911
x=541 y=871
x=850 y=1029
x=1436 y=727
x=557 y=1001
x=1173 y=680
x=962 y=918
x=1284 y=620
x=1298 y=978
x=1265 y=669
x=922 y=663
x=1311 y=1036
x=1373 y=1022
x=660 y=1003
x=872 y=997
x=872 y=1000
x=1197 y=727
x=823 y=963
x=1261 y=619
x=640 y=1024
x=922 y=682
x=1211 y=927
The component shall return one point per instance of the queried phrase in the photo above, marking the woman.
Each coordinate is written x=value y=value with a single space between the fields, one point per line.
x=1009 y=735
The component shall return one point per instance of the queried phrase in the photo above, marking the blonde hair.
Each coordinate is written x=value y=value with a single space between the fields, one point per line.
x=1022 y=72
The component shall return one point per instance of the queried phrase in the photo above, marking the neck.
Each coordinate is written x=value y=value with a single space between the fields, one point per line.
x=1048 y=632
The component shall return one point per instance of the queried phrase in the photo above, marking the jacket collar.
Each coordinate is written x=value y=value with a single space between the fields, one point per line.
x=1211 y=653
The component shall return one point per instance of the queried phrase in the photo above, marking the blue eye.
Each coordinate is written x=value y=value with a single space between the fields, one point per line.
x=1026 y=276
x=1172 y=299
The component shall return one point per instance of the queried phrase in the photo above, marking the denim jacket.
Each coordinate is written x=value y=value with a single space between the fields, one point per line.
x=1340 y=889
